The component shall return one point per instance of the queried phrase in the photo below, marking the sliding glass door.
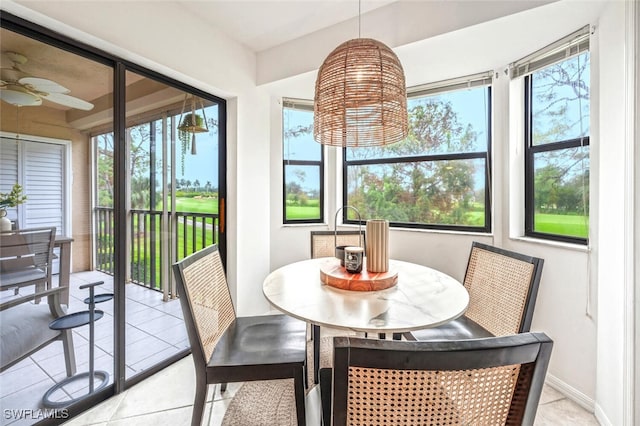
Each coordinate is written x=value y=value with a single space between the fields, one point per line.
x=128 y=166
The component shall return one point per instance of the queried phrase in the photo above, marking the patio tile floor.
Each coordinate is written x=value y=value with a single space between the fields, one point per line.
x=154 y=331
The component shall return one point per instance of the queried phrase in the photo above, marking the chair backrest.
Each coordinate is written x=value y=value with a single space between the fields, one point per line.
x=497 y=380
x=323 y=243
x=503 y=287
x=205 y=299
x=27 y=249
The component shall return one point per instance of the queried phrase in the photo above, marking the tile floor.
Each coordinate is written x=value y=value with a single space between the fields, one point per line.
x=143 y=405
x=23 y=385
x=165 y=398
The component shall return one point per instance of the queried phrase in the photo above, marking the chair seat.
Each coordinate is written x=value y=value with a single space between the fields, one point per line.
x=275 y=340
x=24 y=328
x=11 y=278
x=459 y=329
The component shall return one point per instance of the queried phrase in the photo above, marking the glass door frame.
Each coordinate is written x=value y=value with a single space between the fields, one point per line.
x=120 y=67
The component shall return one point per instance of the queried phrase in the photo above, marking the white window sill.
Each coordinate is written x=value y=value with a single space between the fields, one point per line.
x=557 y=244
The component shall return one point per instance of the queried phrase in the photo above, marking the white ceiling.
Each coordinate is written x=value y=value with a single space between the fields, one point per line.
x=263 y=24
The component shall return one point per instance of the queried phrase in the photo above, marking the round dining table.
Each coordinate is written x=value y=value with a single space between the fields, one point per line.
x=423 y=297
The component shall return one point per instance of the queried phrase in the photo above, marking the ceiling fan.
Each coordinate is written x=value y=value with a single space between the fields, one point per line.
x=19 y=88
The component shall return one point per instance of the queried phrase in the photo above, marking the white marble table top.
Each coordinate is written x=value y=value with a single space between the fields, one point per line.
x=423 y=297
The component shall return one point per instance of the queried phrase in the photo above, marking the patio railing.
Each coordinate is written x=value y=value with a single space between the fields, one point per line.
x=191 y=232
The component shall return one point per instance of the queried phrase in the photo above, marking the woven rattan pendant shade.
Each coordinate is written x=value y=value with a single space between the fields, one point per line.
x=361 y=97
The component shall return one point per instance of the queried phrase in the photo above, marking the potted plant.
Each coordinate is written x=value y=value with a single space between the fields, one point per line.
x=10 y=199
x=191 y=124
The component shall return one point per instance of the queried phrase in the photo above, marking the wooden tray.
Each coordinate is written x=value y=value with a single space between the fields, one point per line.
x=334 y=275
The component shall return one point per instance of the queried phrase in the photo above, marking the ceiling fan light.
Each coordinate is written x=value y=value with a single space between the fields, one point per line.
x=19 y=96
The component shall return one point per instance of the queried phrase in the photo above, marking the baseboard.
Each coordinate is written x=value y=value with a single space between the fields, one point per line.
x=572 y=393
x=601 y=417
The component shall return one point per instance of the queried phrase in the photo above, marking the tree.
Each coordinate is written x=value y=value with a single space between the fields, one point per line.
x=561 y=113
x=419 y=191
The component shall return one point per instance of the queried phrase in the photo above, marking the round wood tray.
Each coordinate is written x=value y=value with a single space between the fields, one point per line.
x=334 y=275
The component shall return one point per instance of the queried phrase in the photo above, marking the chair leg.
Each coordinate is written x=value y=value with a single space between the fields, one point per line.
x=69 y=353
x=316 y=352
x=298 y=384
x=326 y=379
x=200 y=400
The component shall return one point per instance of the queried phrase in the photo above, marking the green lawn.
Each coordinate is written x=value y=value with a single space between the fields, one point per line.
x=197 y=205
x=561 y=224
x=303 y=212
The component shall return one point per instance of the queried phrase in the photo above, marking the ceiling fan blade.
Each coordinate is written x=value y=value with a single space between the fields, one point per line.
x=18 y=95
x=70 y=101
x=43 y=85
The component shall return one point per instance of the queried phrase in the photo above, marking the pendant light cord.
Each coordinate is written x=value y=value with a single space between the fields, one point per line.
x=359 y=18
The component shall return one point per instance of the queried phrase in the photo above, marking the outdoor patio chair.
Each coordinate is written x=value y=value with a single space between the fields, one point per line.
x=24 y=328
x=502 y=286
x=25 y=258
x=227 y=348
x=491 y=381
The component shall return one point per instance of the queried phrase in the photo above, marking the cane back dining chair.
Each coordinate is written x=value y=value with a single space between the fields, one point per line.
x=323 y=244
x=502 y=286
x=490 y=381
x=228 y=348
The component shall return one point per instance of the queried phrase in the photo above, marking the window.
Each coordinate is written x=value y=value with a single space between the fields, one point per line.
x=557 y=143
x=303 y=165
x=437 y=178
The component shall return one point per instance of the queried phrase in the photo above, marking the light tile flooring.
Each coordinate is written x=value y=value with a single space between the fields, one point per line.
x=144 y=404
x=165 y=398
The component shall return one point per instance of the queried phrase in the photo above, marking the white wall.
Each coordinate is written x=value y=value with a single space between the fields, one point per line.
x=569 y=302
x=611 y=236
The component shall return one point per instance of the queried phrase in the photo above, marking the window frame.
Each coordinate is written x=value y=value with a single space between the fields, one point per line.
x=421 y=91
x=530 y=150
x=303 y=105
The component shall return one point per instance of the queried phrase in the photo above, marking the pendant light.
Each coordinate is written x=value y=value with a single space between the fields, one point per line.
x=360 y=96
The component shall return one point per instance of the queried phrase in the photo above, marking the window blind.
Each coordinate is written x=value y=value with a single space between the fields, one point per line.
x=570 y=45
x=459 y=83
x=303 y=104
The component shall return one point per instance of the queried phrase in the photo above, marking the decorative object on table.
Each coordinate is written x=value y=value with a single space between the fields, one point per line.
x=190 y=124
x=10 y=199
x=353 y=258
x=378 y=246
x=334 y=275
x=340 y=249
x=360 y=96
x=79 y=319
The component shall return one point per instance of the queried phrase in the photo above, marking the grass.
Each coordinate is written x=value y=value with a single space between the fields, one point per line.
x=303 y=212
x=562 y=224
x=197 y=205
